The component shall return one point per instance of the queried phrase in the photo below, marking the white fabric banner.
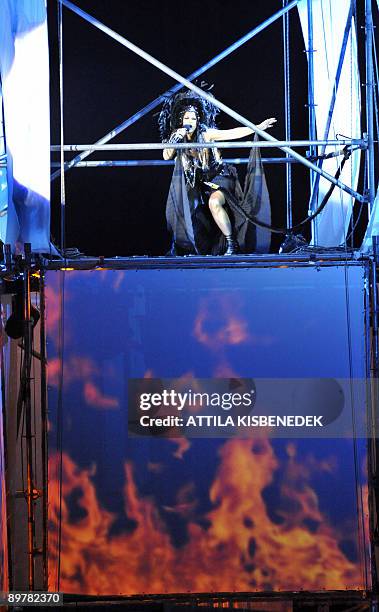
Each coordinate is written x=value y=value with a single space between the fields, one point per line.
x=329 y=21
x=24 y=68
x=372 y=227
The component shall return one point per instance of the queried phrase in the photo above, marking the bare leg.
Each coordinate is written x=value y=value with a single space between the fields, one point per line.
x=219 y=214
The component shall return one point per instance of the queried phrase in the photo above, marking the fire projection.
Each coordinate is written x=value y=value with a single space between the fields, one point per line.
x=158 y=515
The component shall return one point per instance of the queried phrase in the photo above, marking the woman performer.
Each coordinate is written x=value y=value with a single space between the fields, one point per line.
x=205 y=203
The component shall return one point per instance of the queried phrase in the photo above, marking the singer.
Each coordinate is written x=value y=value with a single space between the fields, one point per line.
x=206 y=203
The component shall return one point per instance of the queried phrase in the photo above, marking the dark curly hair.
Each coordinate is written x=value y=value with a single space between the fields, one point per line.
x=175 y=106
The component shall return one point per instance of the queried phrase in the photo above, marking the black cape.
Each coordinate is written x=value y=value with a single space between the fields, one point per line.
x=190 y=221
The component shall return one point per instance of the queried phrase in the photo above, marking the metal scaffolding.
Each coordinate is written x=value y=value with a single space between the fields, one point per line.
x=152 y=105
x=316 y=147
x=291 y=156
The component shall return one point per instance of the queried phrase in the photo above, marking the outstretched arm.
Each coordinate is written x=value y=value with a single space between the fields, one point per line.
x=239 y=132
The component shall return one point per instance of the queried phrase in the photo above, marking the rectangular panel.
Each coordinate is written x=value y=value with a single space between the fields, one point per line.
x=169 y=515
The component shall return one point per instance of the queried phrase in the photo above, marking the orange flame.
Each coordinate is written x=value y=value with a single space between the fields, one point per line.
x=84 y=370
x=53 y=308
x=94 y=397
x=241 y=548
x=236 y=546
x=217 y=324
x=220 y=323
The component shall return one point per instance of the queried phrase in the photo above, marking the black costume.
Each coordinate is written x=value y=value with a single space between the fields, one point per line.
x=196 y=175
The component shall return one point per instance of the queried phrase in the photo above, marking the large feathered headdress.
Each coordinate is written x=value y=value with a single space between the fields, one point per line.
x=170 y=117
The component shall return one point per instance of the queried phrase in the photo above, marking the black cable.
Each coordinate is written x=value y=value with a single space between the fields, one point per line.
x=320 y=249
x=287 y=230
x=314 y=158
x=326 y=197
x=355 y=224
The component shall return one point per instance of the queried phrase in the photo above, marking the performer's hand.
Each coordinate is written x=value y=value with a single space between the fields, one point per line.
x=267 y=123
x=178 y=135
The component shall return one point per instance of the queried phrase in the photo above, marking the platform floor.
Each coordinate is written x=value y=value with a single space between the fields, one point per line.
x=320 y=258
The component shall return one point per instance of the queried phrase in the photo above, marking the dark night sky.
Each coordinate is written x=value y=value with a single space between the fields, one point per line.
x=121 y=211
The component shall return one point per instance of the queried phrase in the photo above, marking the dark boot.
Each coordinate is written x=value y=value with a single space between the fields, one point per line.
x=232 y=245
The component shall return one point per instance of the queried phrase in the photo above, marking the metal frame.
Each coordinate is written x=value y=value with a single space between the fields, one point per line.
x=162 y=162
x=229 y=111
x=369 y=27
x=328 y=601
x=152 y=105
x=287 y=109
x=316 y=169
x=372 y=366
x=268 y=141
x=311 y=103
x=30 y=492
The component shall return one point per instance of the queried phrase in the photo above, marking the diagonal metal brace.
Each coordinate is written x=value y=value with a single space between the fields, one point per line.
x=152 y=105
x=229 y=111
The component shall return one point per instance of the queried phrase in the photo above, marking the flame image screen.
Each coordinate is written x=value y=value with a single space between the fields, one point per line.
x=159 y=514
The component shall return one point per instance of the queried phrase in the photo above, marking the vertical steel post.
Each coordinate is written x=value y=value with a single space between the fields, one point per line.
x=373 y=373
x=311 y=101
x=287 y=110
x=229 y=111
x=63 y=193
x=44 y=420
x=375 y=308
x=30 y=489
x=212 y=62
x=370 y=103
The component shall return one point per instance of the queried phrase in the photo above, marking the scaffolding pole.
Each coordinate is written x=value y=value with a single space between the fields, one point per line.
x=29 y=438
x=61 y=128
x=370 y=103
x=152 y=105
x=287 y=110
x=230 y=144
x=372 y=342
x=229 y=111
x=311 y=100
x=44 y=432
x=124 y=163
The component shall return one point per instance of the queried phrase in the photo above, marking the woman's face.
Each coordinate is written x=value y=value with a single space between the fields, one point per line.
x=190 y=119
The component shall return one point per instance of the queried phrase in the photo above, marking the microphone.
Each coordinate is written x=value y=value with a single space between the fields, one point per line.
x=176 y=138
